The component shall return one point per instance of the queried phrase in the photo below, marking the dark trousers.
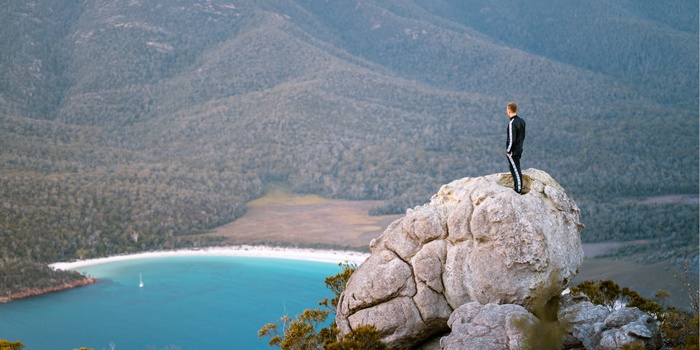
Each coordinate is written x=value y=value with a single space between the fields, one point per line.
x=514 y=165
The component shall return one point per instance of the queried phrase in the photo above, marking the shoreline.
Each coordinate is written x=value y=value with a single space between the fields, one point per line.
x=309 y=254
x=36 y=292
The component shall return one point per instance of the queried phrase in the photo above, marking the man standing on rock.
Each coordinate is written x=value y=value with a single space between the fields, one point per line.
x=514 y=145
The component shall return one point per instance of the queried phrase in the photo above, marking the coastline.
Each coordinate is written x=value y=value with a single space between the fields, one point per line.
x=320 y=255
x=35 y=292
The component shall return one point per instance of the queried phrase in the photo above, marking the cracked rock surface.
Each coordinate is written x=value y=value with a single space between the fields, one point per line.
x=488 y=327
x=477 y=240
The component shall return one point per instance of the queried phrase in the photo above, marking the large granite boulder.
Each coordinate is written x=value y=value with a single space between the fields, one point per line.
x=477 y=240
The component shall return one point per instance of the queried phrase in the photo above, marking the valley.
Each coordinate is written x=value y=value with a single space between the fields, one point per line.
x=132 y=126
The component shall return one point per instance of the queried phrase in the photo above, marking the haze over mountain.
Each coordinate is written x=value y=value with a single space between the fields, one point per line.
x=132 y=125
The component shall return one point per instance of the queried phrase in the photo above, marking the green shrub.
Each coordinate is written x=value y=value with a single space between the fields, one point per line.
x=678 y=327
x=304 y=333
x=8 y=345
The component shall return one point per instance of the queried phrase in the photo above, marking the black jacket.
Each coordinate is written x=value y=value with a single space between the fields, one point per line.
x=515 y=135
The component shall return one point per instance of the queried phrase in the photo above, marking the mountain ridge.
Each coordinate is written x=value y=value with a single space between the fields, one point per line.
x=134 y=125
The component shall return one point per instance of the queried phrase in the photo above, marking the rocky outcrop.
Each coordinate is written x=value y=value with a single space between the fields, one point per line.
x=579 y=325
x=595 y=327
x=477 y=240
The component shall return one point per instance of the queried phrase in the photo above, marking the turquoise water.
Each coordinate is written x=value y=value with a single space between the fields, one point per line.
x=186 y=303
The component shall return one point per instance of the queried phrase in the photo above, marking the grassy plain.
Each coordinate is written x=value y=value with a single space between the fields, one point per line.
x=281 y=217
x=309 y=220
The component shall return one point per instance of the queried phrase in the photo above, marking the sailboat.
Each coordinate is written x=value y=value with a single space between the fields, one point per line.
x=140 y=281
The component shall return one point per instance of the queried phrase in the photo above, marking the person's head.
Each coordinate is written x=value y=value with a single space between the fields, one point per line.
x=512 y=109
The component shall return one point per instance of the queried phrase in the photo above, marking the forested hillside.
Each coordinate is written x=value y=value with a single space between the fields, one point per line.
x=136 y=124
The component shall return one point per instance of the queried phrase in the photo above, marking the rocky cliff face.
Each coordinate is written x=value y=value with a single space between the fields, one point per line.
x=475 y=241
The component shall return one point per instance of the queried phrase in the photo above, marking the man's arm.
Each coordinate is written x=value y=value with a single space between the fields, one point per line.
x=509 y=145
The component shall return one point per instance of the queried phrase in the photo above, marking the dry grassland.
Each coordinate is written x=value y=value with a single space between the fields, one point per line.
x=284 y=218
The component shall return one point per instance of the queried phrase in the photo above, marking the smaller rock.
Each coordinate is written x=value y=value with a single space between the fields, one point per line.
x=623 y=316
x=638 y=329
x=598 y=328
x=491 y=326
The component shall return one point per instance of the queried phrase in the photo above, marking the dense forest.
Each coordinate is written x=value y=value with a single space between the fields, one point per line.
x=135 y=125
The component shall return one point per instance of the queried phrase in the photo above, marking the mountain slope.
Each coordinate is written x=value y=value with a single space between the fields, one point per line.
x=134 y=125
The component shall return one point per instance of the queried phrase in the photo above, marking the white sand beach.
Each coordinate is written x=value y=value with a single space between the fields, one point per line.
x=330 y=256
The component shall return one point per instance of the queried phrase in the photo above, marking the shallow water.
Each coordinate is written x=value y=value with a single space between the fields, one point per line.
x=186 y=303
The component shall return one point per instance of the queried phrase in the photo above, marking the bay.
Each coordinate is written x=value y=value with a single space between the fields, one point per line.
x=201 y=302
